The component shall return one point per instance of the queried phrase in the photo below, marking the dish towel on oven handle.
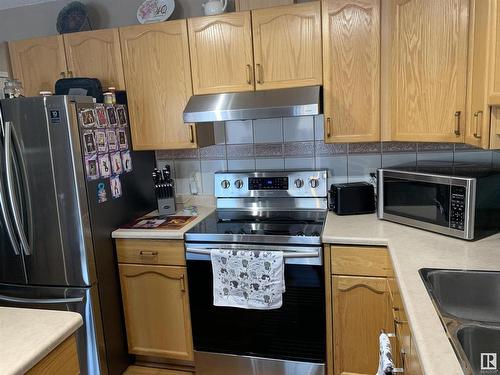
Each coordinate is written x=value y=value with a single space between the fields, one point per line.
x=386 y=365
x=248 y=279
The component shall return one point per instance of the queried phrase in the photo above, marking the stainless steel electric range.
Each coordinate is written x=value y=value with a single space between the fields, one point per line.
x=280 y=211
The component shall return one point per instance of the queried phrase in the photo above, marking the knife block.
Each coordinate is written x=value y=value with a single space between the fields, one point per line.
x=166 y=206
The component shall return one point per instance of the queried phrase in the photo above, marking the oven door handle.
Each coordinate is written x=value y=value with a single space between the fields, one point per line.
x=311 y=254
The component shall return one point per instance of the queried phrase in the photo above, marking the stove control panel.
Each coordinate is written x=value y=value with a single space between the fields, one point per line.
x=271 y=184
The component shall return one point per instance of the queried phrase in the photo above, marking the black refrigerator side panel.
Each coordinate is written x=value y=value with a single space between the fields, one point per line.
x=137 y=198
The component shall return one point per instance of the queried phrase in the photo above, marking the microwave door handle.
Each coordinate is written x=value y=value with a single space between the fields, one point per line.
x=10 y=189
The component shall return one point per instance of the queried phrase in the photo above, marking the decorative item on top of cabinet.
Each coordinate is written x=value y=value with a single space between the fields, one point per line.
x=221 y=53
x=287 y=46
x=153 y=281
x=158 y=79
x=351 y=70
x=38 y=63
x=429 y=62
x=96 y=54
x=242 y=5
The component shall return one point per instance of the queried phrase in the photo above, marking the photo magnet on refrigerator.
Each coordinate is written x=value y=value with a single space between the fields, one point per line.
x=102 y=119
x=91 y=167
x=87 y=118
x=112 y=140
x=122 y=115
x=127 y=161
x=116 y=187
x=122 y=139
x=89 y=142
x=102 y=195
x=116 y=163
x=101 y=140
x=112 y=121
x=104 y=165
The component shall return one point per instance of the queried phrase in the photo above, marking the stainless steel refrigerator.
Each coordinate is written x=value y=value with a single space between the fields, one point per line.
x=57 y=215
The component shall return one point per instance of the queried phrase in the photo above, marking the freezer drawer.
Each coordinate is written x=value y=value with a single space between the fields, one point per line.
x=84 y=301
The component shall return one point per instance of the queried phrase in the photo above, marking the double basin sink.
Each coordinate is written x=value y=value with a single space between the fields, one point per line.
x=468 y=303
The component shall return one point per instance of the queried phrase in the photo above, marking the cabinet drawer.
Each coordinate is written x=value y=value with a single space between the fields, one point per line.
x=165 y=252
x=360 y=261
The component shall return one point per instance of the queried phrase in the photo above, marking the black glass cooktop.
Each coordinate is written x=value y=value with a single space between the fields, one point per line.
x=260 y=226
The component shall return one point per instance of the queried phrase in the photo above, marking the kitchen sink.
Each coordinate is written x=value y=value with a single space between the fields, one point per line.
x=468 y=303
x=469 y=295
x=476 y=340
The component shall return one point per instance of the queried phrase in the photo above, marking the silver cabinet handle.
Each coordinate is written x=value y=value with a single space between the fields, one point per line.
x=313 y=254
x=10 y=189
x=48 y=301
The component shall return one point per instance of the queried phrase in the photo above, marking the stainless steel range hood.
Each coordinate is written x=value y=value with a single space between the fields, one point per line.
x=297 y=101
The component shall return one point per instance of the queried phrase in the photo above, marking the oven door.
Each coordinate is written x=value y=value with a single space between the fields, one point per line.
x=289 y=340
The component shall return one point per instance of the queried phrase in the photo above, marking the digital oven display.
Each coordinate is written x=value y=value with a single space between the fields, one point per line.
x=268 y=183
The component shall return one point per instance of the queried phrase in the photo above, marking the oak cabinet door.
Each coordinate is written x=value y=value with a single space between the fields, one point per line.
x=360 y=312
x=96 y=54
x=221 y=53
x=429 y=62
x=156 y=309
x=158 y=79
x=38 y=63
x=351 y=70
x=287 y=46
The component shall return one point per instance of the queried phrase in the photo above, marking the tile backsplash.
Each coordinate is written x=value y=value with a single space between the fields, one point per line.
x=297 y=143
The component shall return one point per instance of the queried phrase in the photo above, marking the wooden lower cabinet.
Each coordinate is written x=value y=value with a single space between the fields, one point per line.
x=362 y=299
x=63 y=360
x=360 y=312
x=156 y=309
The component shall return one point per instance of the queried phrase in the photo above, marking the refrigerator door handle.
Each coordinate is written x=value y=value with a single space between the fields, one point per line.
x=10 y=188
x=43 y=301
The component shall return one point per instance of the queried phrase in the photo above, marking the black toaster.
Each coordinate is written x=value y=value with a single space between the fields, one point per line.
x=352 y=198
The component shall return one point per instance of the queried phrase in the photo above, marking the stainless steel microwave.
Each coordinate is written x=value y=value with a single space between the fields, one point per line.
x=457 y=200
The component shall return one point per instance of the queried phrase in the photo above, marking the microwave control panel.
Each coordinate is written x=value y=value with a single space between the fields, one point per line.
x=457 y=214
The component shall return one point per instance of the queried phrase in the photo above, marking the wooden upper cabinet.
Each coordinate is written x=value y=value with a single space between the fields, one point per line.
x=96 y=54
x=287 y=46
x=158 y=79
x=429 y=62
x=351 y=70
x=360 y=311
x=156 y=309
x=241 y=5
x=38 y=63
x=221 y=53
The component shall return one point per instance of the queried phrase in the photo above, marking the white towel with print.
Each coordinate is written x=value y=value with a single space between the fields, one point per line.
x=386 y=365
x=248 y=279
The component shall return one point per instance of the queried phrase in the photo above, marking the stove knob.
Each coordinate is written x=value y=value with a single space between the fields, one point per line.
x=314 y=182
x=225 y=184
x=299 y=183
x=238 y=184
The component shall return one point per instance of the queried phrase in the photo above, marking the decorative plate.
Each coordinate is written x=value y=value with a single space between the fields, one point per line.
x=73 y=18
x=155 y=10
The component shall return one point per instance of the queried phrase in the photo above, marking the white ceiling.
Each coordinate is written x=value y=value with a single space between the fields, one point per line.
x=6 y=4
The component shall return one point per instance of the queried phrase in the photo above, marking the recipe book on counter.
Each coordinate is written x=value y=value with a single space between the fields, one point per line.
x=162 y=222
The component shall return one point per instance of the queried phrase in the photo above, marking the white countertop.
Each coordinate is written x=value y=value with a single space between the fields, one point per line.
x=164 y=234
x=410 y=250
x=28 y=335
